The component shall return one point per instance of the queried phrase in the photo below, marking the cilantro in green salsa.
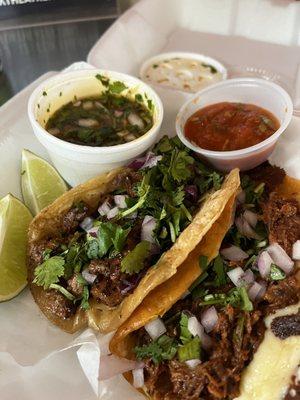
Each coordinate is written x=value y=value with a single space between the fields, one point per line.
x=105 y=120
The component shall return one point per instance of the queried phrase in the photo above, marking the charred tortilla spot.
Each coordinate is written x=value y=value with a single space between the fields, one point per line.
x=286 y=326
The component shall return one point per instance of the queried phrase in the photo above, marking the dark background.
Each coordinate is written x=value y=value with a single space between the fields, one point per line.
x=46 y=36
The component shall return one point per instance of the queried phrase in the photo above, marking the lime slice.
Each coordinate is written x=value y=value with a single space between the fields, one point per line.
x=14 y=222
x=41 y=183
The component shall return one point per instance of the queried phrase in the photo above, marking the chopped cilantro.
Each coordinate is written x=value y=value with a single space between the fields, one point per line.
x=276 y=274
x=62 y=290
x=190 y=350
x=163 y=348
x=218 y=268
x=85 y=299
x=117 y=87
x=212 y=69
x=185 y=334
x=49 y=271
x=44 y=93
x=239 y=332
x=139 y=97
x=179 y=166
x=133 y=262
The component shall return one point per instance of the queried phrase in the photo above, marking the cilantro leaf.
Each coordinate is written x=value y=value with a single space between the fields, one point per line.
x=179 y=166
x=276 y=274
x=185 y=334
x=163 y=348
x=190 y=350
x=117 y=87
x=49 y=271
x=85 y=298
x=218 y=268
x=133 y=262
x=103 y=79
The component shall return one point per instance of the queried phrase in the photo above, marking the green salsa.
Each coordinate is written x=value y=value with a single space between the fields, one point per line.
x=105 y=120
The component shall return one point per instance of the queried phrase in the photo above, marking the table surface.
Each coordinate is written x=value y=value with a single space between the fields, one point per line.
x=26 y=53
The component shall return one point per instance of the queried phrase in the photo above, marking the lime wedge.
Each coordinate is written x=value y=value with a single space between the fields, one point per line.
x=41 y=183
x=14 y=222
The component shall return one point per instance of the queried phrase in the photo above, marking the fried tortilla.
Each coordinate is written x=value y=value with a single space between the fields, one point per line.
x=268 y=343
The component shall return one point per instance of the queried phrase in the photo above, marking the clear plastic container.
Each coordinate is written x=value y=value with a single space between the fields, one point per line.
x=260 y=92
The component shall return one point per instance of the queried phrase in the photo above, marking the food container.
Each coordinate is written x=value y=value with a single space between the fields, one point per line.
x=262 y=93
x=77 y=163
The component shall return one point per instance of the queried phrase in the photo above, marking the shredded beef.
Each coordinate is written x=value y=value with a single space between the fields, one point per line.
x=281 y=294
x=74 y=216
x=270 y=175
x=74 y=286
x=286 y=326
x=58 y=304
x=282 y=218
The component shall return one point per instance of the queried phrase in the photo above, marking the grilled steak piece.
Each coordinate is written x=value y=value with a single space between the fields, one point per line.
x=59 y=305
x=74 y=216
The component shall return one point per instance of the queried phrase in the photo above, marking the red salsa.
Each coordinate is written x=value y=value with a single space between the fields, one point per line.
x=230 y=126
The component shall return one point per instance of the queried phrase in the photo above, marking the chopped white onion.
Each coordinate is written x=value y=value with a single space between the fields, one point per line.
x=234 y=253
x=148 y=226
x=118 y=113
x=193 y=363
x=296 y=250
x=241 y=197
x=132 y=215
x=248 y=277
x=138 y=377
x=112 y=213
x=256 y=291
x=90 y=278
x=87 y=224
x=87 y=122
x=196 y=329
x=245 y=228
x=251 y=218
x=120 y=200
x=209 y=319
x=280 y=257
x=235 y=276
x=134 y=119
x=264 y=262
x=104 y=208
x=155 y=328
x=111 y=365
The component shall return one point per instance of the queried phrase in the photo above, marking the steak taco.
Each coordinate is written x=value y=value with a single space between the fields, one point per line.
x=98 y=250
x=234 y=333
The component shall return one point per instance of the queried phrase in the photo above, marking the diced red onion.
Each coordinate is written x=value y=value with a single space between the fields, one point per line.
x=104 y=208
x=148 y=226
x=241 y=197
x=191 y=192
x=209 y=319
x=256 y=291
x=296 y=250
x=87 y=224
x=155 y=328
x=151 y=160
x=248 y=277
x=196 y=329
x=193 y=363
x=112 y=213
x=90 y=278
x=245 y=228
x=280 y=257
x=250 y=217
x=148 y=161
x=111 y=365
x=120 y=200
x=138 y=377
x=93 y=231
x=234 y=253
x=264 y=262
x=235 y=275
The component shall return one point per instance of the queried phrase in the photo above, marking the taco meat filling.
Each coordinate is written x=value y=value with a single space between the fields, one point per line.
x=102 y=254
x=200 y=347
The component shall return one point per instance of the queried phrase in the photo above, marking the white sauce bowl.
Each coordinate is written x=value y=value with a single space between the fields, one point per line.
x=260 y=92
x=78 y=163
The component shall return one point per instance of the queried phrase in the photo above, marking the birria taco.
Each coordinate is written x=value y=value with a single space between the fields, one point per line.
x=234 y=333
x=98 y=250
